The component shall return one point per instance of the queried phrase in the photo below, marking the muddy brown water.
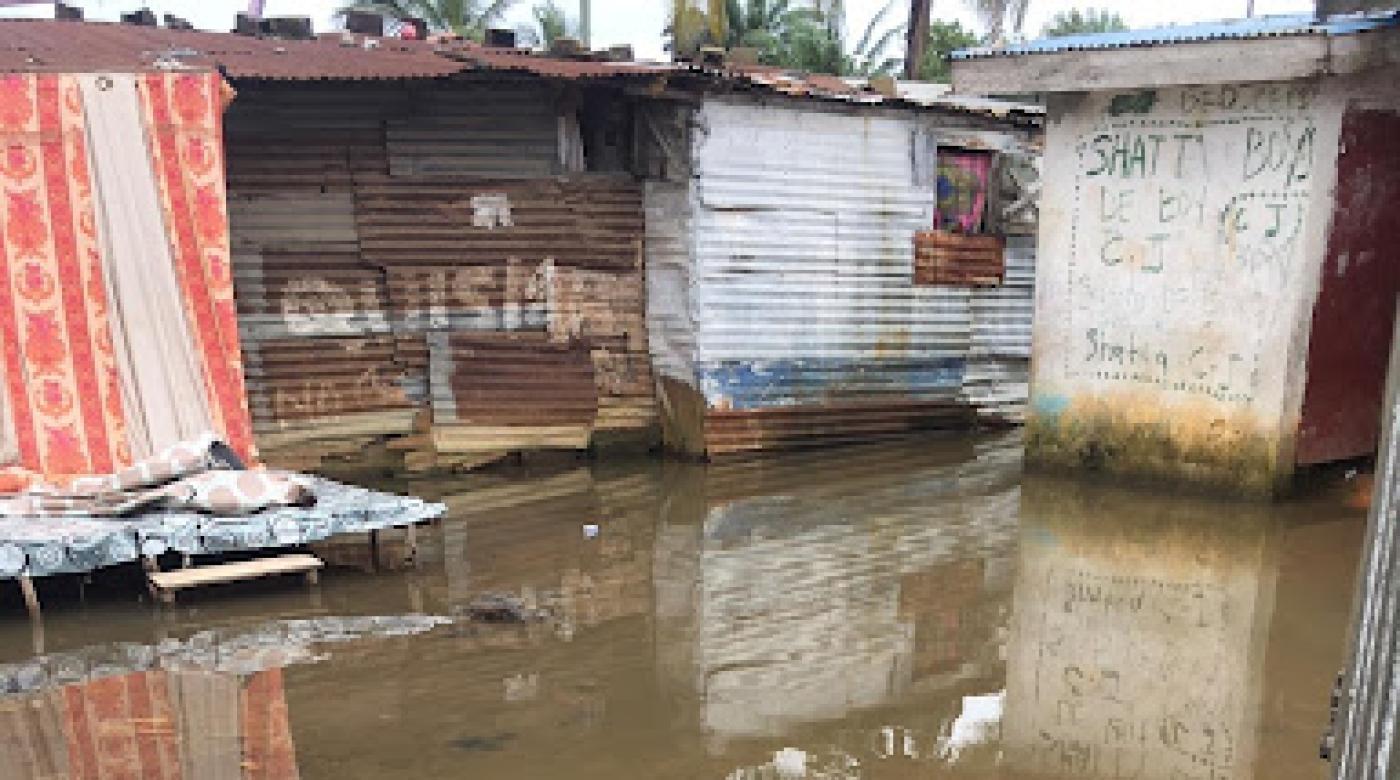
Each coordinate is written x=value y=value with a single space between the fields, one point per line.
x=912 y=609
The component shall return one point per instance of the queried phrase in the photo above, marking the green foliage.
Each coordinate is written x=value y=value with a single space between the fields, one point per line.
x=1090 y=20
x=802 y=36
x=944 y=38
x=467 y=18
x=553 y=23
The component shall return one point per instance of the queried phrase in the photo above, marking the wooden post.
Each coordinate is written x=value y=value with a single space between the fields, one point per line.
x=916 y=40
x=31 y=596
x=411 y=544
x=374 y=550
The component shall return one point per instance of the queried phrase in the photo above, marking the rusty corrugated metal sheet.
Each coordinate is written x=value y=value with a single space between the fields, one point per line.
x=508 y=129
x=320 y=358
x=792 y=314
x=43 y=45
x=504 y=391
x=296 y=137
x=942 y=257
x=525 y=61
x=557 y=258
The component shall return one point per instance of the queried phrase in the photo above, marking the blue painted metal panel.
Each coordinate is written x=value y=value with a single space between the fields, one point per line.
x=1232 y=29
x=743 y=385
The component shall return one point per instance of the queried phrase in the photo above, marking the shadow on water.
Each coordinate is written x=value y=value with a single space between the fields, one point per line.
x=910 y=609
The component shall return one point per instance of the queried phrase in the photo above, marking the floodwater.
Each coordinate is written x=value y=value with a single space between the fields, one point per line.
x=915 y=609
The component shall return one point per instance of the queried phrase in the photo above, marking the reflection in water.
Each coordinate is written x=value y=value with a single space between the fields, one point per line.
x=902 y=610
x=1137 y=647
x=818 y=588
x=152 y=726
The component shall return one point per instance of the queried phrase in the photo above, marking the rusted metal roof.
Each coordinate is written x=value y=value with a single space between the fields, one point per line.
x=38 y=45
x=35 y=45
x=524 y=61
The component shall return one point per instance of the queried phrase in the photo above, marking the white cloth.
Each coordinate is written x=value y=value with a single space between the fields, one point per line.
x=157 y=361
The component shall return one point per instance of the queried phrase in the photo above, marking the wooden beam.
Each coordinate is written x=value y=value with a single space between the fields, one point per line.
x=1206 y=62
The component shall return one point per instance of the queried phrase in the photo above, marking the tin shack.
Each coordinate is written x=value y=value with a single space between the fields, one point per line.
x=828 y=264
x=1217 y=280
x=436 y=248
x=443 y=252
x=448 y=256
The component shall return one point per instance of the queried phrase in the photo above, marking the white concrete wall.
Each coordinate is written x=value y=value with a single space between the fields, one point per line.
x=1181 y=235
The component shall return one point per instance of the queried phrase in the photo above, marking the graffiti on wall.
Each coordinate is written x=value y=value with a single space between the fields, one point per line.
x=1190 y=209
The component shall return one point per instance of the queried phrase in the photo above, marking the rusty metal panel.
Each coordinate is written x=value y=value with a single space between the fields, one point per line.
x=549 y=262
x=943 y=257
x=503 y=130
x=319 y=355
x=498 y=391
x=45 y=45
x=308 y=136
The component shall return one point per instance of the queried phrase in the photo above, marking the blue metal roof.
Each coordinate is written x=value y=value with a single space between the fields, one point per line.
x=1232 y=29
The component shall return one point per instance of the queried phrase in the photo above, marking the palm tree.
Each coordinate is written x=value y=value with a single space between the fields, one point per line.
x=756 y=23
x=868 y=58
x=467 y=18
x=996 y=13
x=554 y=23
x=1075 y=21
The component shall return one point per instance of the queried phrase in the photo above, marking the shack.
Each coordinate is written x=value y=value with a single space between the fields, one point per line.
x=436 y=248
x=828 y=264
x=443 y=252
x=1217 y=280
x=448 y=256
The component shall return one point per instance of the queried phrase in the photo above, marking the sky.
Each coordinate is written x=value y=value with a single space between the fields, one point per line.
x=639 y=22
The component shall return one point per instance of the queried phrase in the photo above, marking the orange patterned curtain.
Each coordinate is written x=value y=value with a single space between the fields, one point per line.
x=61 y=378
x=184 y=124
x=63 y=395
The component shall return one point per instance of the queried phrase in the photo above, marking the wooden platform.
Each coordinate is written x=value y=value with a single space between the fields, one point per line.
x=165 y=584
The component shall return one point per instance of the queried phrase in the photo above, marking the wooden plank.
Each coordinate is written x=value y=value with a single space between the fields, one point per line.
x=1141 y=67
x=233 y=572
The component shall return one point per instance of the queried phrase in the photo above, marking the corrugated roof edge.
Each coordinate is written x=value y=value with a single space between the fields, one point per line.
x=1230 y=29
x=47 y=46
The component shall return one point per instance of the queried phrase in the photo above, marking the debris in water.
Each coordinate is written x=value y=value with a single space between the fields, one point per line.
x=790 y=762
x=483 y=743
x=501 y=608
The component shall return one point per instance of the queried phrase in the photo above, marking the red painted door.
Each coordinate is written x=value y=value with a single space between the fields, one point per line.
x=1351 y=325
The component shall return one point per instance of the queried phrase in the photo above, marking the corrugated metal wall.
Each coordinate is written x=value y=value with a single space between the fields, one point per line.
x=790 y=316
x=321 y=358
x=559 y=257
x=373 y=225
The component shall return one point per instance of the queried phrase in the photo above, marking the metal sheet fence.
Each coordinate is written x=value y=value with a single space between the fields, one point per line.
x=783 y=292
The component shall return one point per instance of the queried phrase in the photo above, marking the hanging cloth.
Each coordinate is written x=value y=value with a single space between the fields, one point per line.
x=162 y=388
